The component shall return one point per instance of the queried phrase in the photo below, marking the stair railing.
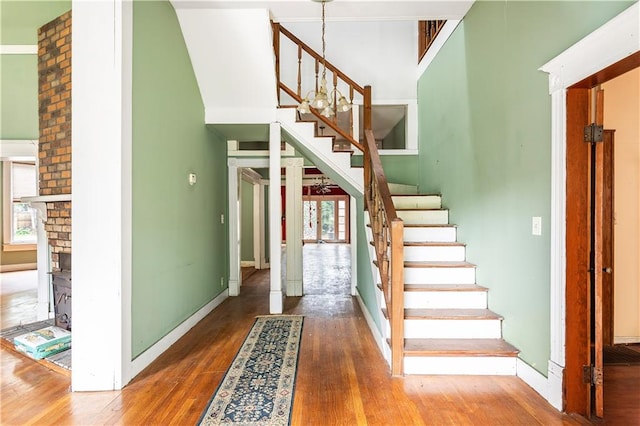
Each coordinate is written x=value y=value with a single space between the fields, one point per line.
x=387 y=228
x=427 y=32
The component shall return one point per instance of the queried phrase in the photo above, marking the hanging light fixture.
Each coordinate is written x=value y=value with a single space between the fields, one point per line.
x=322 y=99
x=321 y=186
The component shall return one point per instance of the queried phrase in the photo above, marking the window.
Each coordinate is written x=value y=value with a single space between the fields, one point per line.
x=19 y=180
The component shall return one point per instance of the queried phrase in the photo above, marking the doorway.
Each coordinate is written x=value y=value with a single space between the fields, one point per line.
x=590 y=320
x=325 y=218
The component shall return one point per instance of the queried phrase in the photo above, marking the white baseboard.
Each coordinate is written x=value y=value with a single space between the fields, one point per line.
x=372 y=326
x=247 y=263
x=626 y=339
x=18 y=267
x=532 y=377
x=148 y=356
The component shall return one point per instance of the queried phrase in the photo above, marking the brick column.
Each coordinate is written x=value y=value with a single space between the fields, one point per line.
x=54 y=152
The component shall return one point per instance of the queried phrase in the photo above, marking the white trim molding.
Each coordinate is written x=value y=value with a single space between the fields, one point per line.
x=148 y=356
x=612 y=42
x=102 y=51
x=235 y=166
x=18 y=49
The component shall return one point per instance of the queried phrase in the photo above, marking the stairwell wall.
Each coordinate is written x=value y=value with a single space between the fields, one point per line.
x=180 y=248
x=484 y=131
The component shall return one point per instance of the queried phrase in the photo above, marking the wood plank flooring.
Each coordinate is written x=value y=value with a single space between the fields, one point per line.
x=342 y=378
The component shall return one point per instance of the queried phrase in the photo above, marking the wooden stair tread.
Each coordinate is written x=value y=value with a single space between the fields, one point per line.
x=428 y=244
x=416 y=195
x=433 y=244
x=441 y=287
x=454 y=314
x=459 y=347
x=430 y=225
x=444 y=287
x=438 y=264
x=447 y=314
x=415 y=209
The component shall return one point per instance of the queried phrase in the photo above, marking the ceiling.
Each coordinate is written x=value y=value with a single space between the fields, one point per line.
x=342 y=10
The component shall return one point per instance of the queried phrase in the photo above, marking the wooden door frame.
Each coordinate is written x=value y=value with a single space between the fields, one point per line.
x=335 y=198
x=591 y=58
x=577 y=393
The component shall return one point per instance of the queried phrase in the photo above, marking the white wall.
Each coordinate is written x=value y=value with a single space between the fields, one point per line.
x=382 y=54
x=621 y=113
x=231 y=53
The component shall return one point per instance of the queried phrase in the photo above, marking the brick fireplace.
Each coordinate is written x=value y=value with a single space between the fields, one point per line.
x=54 y=148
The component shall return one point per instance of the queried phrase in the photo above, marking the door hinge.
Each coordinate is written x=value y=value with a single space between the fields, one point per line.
x=592 y=375
x=593 y=133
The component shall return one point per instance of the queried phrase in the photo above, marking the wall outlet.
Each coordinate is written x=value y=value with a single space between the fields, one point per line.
x=221 y=281
x=536 y=225
x=222 y=218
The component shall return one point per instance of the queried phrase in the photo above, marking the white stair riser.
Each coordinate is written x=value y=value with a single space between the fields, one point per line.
x=445 y=299
x=452 y=329
x=439 y=275
x=434 y=253
x=417 y=202
x=424 y=217
x=426 y=234
x=492 y=366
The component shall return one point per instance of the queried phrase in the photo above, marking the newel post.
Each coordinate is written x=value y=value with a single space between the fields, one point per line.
x=397 y=297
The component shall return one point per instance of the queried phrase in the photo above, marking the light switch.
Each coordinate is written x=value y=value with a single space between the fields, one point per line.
x=192 y=179
x=222 y=218
x=536 y=225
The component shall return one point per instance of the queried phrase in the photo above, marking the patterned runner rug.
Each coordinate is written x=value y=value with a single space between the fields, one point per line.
x=258 y=387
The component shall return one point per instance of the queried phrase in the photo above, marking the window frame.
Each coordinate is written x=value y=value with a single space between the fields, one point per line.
x=8 y=243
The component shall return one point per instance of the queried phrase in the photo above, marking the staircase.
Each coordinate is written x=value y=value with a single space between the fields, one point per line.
x=447 y=326
x=435 y=316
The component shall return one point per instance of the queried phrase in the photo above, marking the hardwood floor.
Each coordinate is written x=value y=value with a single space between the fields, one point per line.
x=342 y=378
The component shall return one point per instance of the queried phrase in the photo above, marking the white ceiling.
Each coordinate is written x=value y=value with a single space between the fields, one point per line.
x=342 y=10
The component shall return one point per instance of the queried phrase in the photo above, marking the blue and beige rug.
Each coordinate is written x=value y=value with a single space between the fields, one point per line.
x=258 y=387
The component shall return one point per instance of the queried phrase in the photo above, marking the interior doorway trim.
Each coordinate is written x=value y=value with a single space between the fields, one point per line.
x=612 y=42
x=235 y=165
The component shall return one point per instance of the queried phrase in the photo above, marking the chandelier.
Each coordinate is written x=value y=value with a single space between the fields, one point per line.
x=321 y=186
x=322 y=98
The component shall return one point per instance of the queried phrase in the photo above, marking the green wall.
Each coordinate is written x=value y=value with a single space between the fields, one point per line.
x=396 y=138
x=19 y=23
x=246 y=224
x=484 y=129
x=397 y=168
x=366 y=285
x=179 y=245
x=19 y=103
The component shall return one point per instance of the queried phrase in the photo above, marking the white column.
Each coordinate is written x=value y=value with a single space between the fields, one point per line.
x=275 y=232
x=263 y=224
x=45 y=307
x=556 y=364
x=101 y=199
x=235 y=276
x=257 y=231
x=293 y=170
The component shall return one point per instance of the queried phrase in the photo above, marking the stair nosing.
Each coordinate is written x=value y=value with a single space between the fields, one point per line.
x=452 y=314
x=437 y=264
x=504 y=348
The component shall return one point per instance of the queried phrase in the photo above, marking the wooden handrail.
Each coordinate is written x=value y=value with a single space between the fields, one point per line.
x=387 y=228
x=427 y=32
